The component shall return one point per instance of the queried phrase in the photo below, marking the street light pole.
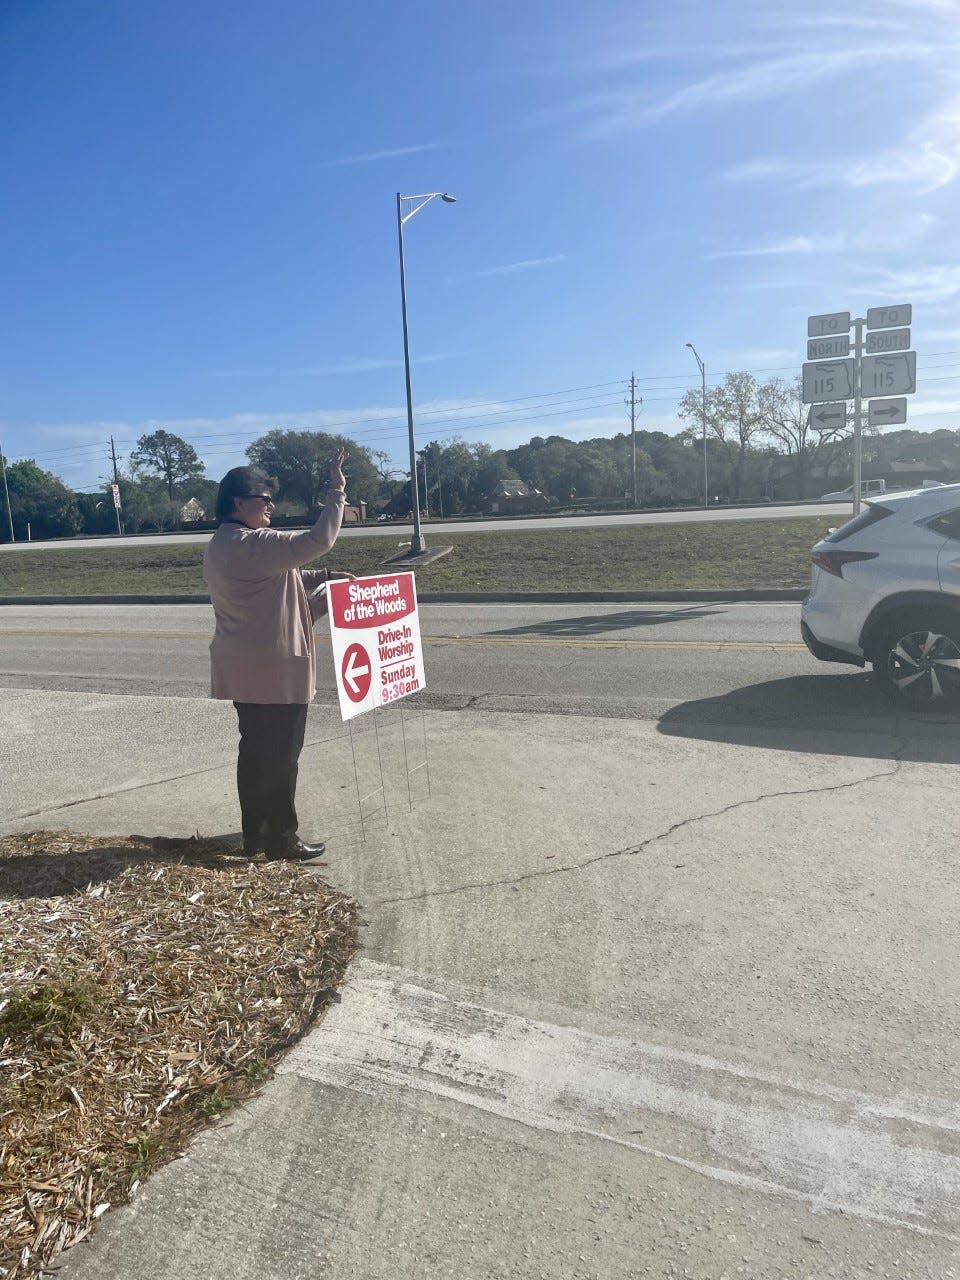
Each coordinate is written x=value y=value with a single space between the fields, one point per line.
x=417 y=544
x=703 y=416
x=3 y=468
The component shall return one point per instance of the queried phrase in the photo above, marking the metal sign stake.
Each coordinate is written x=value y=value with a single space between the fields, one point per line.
x=381 y=790
x=356 y=779
x=406 y=758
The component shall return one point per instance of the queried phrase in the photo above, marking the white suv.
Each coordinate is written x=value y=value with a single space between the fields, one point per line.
x=886 y=590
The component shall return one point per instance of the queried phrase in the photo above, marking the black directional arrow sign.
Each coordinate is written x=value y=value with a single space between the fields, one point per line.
x=887 y=413
x=829 y=417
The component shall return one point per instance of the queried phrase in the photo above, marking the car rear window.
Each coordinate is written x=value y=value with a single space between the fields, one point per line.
x=948 y=524
x=870 y=515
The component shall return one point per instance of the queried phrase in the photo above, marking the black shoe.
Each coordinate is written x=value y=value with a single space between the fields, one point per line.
x=293 y=847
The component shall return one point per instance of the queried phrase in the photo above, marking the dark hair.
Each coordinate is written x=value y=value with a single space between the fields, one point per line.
x=240 y=483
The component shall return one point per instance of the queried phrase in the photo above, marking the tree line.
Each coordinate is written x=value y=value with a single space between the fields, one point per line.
x=760 y=442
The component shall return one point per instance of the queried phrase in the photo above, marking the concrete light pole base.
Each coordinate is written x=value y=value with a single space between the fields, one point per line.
x=411 y=559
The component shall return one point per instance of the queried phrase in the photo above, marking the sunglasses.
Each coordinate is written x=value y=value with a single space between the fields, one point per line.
x=260 y=497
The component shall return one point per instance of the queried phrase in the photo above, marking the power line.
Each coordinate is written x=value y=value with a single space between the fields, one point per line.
x=470 y=416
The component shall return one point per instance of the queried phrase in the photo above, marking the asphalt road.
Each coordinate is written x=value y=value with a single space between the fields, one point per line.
x=660 y=974
x=434 y=531
x=611 y=660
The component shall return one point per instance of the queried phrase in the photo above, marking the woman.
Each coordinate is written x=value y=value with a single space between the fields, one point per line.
x=262 y=655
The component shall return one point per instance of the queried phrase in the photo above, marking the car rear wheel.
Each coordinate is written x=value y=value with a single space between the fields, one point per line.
x=917 y=659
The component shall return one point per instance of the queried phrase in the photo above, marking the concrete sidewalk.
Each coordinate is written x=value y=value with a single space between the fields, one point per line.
x=632 y=1001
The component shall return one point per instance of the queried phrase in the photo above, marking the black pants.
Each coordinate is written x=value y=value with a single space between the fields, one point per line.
x=271 y=739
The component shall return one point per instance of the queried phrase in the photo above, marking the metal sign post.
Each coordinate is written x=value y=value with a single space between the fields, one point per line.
x=857 y=416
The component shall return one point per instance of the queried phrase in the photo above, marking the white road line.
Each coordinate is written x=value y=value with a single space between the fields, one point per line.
x=895 y=1161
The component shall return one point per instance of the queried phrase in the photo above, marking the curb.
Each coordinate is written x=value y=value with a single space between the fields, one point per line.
x=463 y=597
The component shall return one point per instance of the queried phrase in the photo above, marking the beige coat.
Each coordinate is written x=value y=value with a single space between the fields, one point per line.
x=262 y=648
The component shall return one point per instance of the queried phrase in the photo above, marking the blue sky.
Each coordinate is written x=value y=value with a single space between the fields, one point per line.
x=199 y=230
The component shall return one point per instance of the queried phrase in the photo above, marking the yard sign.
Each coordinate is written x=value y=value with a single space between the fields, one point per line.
x=375 y=635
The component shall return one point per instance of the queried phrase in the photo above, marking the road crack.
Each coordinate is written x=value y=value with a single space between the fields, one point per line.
x=632 y=850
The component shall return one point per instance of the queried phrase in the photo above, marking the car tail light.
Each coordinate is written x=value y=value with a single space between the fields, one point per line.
x=833 y=561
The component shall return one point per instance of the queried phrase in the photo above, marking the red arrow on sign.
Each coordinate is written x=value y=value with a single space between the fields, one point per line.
x=355 y=670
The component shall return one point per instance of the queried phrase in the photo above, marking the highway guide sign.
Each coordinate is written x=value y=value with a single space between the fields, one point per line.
x=889 y=317
x=829 y=417
x=886 y=340
x=887 y=413
x=827 y=380
x=826 y=326
x=892 y=375
x=375 y=636
x=828 y=348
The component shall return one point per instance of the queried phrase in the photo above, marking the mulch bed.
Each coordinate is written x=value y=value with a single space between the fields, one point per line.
x=146 y=986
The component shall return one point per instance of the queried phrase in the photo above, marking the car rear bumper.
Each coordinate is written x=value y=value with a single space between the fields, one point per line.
x=826 y=652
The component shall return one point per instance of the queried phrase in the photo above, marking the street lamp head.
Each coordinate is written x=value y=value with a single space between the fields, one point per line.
x=689 y=344
x=448 y=199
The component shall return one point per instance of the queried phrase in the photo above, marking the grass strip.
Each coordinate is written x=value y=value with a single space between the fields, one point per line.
x=721 y=555
x=147 y=987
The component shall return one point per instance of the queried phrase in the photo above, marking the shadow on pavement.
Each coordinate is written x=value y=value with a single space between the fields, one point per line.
x=836 y=715
x=596 y=624
x=47 y=864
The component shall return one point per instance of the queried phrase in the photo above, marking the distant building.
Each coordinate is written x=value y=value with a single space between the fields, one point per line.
x=511 y=497
x=191 y=511
x=900 y=459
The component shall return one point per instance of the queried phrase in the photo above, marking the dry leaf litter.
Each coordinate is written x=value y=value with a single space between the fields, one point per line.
x=145 y=987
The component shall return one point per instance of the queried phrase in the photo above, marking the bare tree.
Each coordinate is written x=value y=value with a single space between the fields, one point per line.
x=796 y=429
x=732 y=417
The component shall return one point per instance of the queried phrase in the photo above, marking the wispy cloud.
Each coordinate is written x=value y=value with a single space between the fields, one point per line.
x=927 y=159
x=925 y=284
x=764 y=78
x=853 y=22
x=767 y=78
x=760 y=169
x=928 y=408
x=368 y=157
x=789 y=245
x=770 y=284
x=528 y=264
x=359 y=365
x=755 y=358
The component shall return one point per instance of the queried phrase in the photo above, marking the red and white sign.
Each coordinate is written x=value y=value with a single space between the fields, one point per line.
x=375 y=635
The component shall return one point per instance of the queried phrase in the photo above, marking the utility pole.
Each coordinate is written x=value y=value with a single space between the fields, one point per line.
x=116 y=486
x=633 y=402
x=6 y=491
